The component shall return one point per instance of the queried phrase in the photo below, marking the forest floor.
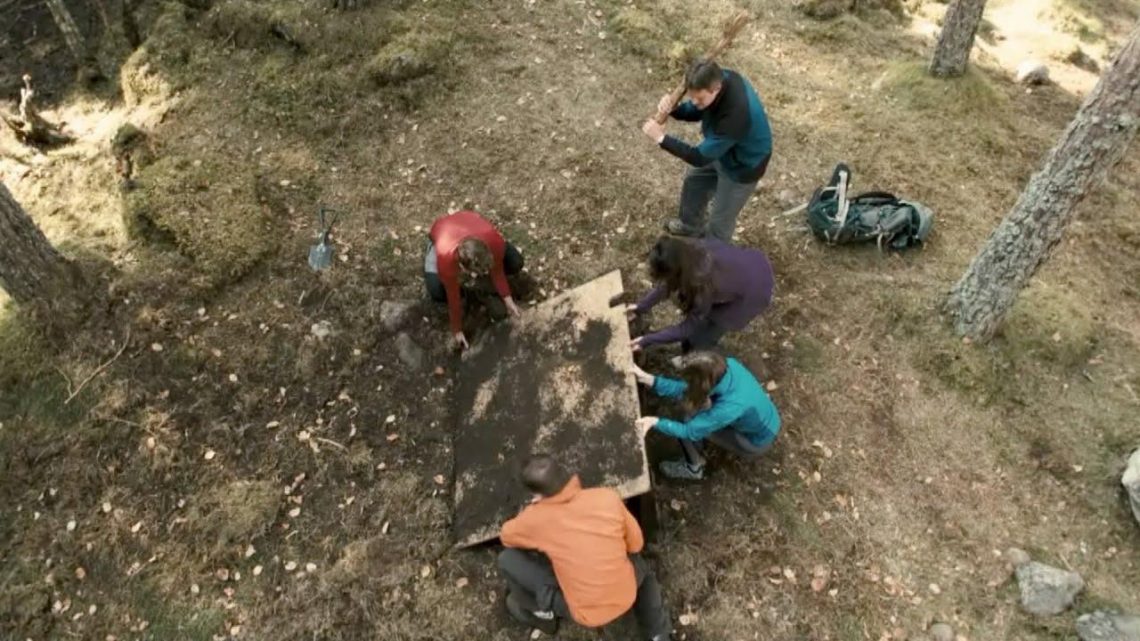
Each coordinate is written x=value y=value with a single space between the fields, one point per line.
x=230 y=474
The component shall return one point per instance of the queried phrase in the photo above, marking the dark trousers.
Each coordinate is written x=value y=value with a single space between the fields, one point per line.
x=711 y=183
x=706 y=336
x=726 y=439
x=512 y=264
x=530 y=578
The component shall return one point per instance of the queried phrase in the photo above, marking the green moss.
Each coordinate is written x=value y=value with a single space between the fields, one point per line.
x=208 y=209
x=1047 y=325
x=413 y=54
x=968 y=95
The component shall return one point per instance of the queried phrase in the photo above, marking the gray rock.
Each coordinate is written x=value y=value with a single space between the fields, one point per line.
x=1106 y=626
x=1047 y=590
x=941 y=632
x=1032 y=72
x=394 y=313
x=1016 y=557
x=410 y=354
x=322 y=330
x=1131 y=482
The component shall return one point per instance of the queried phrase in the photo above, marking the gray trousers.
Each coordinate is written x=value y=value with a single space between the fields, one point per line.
x=726 y=439
x=531 y=579
x=728 y=197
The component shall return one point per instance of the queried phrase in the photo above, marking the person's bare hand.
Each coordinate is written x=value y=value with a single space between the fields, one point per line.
x=642 y=376
x=512 y=308
x=635 y=344
x=665 y=105
x=653 y=130
x=645 y=423
x=630 y=311
x=460 y=341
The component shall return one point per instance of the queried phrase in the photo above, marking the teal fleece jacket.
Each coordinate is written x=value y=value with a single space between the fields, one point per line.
x=738 y=401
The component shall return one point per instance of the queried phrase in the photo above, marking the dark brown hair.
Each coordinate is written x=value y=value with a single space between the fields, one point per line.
x=683 y=266
x=703 y=74
x=475 y=257
x=543 y=475
x=701 y=372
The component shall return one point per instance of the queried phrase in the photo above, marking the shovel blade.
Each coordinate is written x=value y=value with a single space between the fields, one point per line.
x=320 y=257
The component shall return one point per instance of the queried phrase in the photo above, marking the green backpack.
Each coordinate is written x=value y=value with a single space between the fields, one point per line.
x=873 y=216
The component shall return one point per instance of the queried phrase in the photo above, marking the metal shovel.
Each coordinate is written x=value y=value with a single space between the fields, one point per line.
x=321 y=254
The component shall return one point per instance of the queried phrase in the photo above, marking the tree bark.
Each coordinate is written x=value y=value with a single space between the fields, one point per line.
x=957 y=37
x=32 y=272
x=1091 y=145
x=88 y=65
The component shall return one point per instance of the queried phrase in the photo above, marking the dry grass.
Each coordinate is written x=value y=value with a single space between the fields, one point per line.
x=930 y=454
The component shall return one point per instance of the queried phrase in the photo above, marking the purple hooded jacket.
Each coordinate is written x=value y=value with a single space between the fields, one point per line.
x=742 y=286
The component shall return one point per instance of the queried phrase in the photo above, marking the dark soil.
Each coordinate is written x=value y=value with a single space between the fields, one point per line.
x=490 y=447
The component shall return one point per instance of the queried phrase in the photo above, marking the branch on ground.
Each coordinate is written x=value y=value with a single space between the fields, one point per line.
x=30 y=128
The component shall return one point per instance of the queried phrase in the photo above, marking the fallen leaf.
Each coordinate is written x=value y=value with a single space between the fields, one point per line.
x=257 y=570
x=772 y=386
x=156 y=347
x=80 y=573
x=934 y=589
x=290 y=566
x=136 y=527
x=688 y=618
x=210 y=454
x=392 y=437
x=384 y=528
x=439 y=371
x=310 y=567
x=250 y=551
x=425 y=571
x=676 y=505
x=391 y=419
x=194 y=589
x=461 y=582
x=222 y=574
x=789 y=574
x=295 y=512
x=233 y=378
x=272 y=424
x=439 y=479
x=71 y=526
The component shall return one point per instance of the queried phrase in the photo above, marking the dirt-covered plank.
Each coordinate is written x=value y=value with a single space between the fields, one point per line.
x=555 y=382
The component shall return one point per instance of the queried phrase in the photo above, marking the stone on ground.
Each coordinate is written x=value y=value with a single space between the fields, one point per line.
x=1016 y=557
x=941 y=632
x=1107 y=626
x=1046 y=590
x=410 y=354
x=1032 y=72
x=394 y=313
x=1131 y=482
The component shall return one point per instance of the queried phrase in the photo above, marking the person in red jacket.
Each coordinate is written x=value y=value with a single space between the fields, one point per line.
x=465 y=247
x=575 y=553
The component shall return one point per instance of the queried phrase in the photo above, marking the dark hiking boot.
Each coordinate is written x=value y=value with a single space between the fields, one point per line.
x=678 y=228
x=544 y=621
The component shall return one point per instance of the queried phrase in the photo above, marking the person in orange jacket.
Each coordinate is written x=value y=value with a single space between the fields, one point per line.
x=464 y=246
x=573 y=553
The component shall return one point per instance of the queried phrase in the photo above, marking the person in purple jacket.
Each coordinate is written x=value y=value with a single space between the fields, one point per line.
x=719 y=287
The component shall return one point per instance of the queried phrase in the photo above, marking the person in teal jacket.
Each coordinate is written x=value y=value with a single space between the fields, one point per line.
x=726 y=405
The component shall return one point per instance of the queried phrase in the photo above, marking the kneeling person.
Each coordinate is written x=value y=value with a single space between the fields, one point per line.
x=465 y=245
x=573 y=553
x=726 y=405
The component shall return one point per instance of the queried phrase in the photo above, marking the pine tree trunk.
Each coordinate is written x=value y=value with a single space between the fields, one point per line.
x=1091 y=145
x=88 y=65
x=957 y=37
x=32 y=272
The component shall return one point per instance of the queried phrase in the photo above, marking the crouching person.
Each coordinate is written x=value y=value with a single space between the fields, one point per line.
x=725 y=404
x=573 y=553
x=465 y=247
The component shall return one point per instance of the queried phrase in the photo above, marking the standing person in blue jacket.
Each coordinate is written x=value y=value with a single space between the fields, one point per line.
x=725 y=404
x=730 y=161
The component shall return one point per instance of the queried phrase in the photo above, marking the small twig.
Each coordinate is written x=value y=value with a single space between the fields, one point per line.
x=99 y=370
x=330 y=442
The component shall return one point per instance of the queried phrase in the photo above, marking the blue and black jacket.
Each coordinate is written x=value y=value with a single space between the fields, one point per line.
x=735 y=129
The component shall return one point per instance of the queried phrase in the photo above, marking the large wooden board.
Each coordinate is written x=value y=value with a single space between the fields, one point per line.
x=556 y=382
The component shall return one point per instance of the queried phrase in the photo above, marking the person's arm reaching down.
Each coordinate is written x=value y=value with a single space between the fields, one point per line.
x=721 y=415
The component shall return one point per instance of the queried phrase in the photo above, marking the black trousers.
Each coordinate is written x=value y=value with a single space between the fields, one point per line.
x=512 y=264
x=530 y=578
